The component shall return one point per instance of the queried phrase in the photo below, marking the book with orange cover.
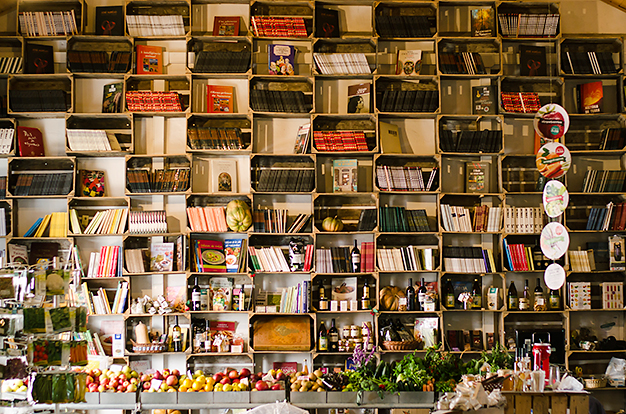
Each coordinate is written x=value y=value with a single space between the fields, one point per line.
x=220 y=98
x=149 y=60
x=591 y=96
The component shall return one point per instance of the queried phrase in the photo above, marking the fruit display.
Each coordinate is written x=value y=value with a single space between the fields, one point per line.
x=125 y=380
x=14 y=385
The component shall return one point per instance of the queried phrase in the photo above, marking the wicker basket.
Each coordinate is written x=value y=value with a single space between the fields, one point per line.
x=595 y=382
x=148 y=348
x=401 y=345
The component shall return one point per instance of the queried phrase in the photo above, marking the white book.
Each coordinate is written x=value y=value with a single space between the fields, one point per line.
x=398 y=263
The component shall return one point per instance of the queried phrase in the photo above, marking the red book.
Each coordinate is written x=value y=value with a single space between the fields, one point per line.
x=622 y=221
x=591 y=95
x=617 y=214
x=220 y=99
x=30 y=142
x=149 y=60
x=318 y=140
x=226 y=26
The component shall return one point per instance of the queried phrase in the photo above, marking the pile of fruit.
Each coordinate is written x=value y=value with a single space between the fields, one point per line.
x=125 y=380
x=302 y=381
x=15 y=385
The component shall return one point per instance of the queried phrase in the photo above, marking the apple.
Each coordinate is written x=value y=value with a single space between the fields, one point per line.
x=97 y=373
x=105 y=382
x=99 y=389
x=218 y=376
x=225 y=380
x=166 y=373
x=126 y=383
x=276 y=387
x=131 y=388
x=176 y=372
x=134 y=381
x=245 y=372
x=114 y=384
x=158 y=375
x=280 y=376
x=233 y=374
x=122 y=377
x=261 y=385
x=145 y=377
x=134 y=374
x=146 y=385
x=236 y=381
x=171 y=380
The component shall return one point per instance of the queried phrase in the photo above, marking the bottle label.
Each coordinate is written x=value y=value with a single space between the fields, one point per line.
x=176 y=336
x=365 y=303
x=540 y=301
x=366 y=292
x=323 y=344
x=555 y=302
x=513 y=303
x=421 y=297
x=334 y=337
x=524 y=304
x=477 y=301
x=207 y=345
x=450 y=301
x=356 y=258
x=323 y=305
x=297 y=258
x=196 y=297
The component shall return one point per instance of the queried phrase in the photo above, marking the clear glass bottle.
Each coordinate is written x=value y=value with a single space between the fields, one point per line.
x=525 y=300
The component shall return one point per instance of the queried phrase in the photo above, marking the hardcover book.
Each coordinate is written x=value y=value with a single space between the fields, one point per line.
x=112 y=98
x=110 y=21
x=30 y=142
x=532 y=61
x=591 y=97
x=226 y=26
x=484 y=100
x=281 y=59
x=389 y=138
x=477 y=177
x=91 y=183
x=232 y=253
x=210 y=256
x=409 y=62
x=302 y=139
x=18 y=253
x=149 y=60
x=161 y=257
x=326 y=22
x=345 y=176
x=39 y=59
x=359 y=98
x=220 y=98
x=223 y=175
x=482 y=22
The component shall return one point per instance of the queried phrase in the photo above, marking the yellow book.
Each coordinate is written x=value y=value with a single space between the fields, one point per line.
x=115 y=222
x=74 y=221
x=122 y=226
x=43 y=226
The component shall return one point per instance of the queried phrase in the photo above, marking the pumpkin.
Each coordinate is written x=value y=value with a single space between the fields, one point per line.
x=332 y=224
x=238 y=215
x=390 y=297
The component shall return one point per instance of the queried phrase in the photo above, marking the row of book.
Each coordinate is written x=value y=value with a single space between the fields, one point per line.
x=112 y=221
x=367 y=220
x=135 y=260
x=266 y=26
x=610 y=139
x=408 y=101
x=405 y=26
x=142 y=222
x=158 y=181
x=458 y=218
x=485 y=141
x=472 y=259
x=271 y=220
x=92 y=140
x=405 y=178
x=6 y=140
x=588 y=63
x=409 y=258
x=611 y=217
x=518 y=257
x=39 y=100
x=342 y=63
x=286 y=180
x=11 y=64
x=149 y=101
x=338 y=260
x=582 y=260
x=99 y=304
x=211 y=219
x=222 y=61
x=524 y=219
x=296 y=299
x=528 y=25
x=99 y=61
x=341 y=140
x=43 y=184
x=603 y=181
x=272 y=259
x=521 y=102
x=400 y=219
x=278 y=101
x=215 y=138
x=464 y=63
x=154 y=25
x=50 y=225
x=48 y=23
x=105 y=263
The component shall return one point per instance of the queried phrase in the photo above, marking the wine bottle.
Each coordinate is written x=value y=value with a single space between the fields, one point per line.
x=296 y=254
x=410 y=296
x=477 y=295
x=513 y=299
x=524 y=301
x=448 y=295
x=555 y=300
x=207 y=338
x=333 y=338
x=421 y=295
x=196 y=293
x=355 y=256
x=322 y=342
x=540 y=299
x=365 y=298
x=322 y=296
x=204 y=299
x=177 y=336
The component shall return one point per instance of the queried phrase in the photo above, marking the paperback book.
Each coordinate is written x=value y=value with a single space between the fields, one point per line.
x=226 y=26
x=281 y=59
x=359 y=98
x=345 y=176
x=409 y=62
x=39 y=59
x=91 y=183
x=30 y=142
x=483 y=100
x=220 y=99
x=162 y=257
x=482 y=22
x=110 y=21
x=532 y=61
x=477 y=177
x=590 y=97
x=112 y=98
x=223 y=175
x=149 y=60
x=326 y=22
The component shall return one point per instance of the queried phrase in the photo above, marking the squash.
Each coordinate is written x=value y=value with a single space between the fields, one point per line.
x=332 y=224
x=390 y=297
x=238 y=215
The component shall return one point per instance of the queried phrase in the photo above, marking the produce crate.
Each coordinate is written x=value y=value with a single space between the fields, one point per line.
x=368 y=398
x=92 y=397
x=158 y=397
x=266 y=397
x=195 y=398
x=232 y=397
x=416 y=397
x=343 y=397
x=113 y=398
x=311 y=397
x=554 y=402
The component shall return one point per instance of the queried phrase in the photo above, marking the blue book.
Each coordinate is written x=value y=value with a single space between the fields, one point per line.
x=33 y=228
x=282 y=60
x=232 y=251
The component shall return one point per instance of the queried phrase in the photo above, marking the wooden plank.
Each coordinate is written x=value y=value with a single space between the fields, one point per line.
x=559 y=404
x=541 y=403
x=523 y=404
x=510 y=404
x=579 y=404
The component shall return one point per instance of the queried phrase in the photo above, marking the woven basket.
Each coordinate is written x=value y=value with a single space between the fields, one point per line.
x=401 y=345
x=148 y=348
x=595 y=382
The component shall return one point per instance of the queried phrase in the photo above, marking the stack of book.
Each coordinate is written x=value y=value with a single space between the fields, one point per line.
x=278 y=101
x=342 y=63
x=99 y=61
x=368 y=263
x=134 y=260
x=105 y=263
x=613 y=139
x=397 y=178
x=405 y=26
x=148 y=101
x=528 y=25
x=11 y=64
x=215 y=138
x=409 y=258
x=272 y=259
x=603 y=181
x=464 y=63
x=340 y=140
x=367 y=219
x=266 y=26
x=457 y=218
x=6 y=140
x=485 y=141
x=600 y=217
x=275 y=221
x=112 y=221
x=222 y=61
x=48 y=23
x=57 y=223
x=99 y=302
x=296 y=299
x=92 y=140
x=286 y=180
x=210 y=219
x=524 y=219
x=408 y=101
x=154 y=25
x=588 y=63
x=141 y=222
x=399 y=219
x=582 y=260
x=39 y=100
x=460 y=259
x=43 y=184
x=158 y=181
x=521 y=102
x=518 y=257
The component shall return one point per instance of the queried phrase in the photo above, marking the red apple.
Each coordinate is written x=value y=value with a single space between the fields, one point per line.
x=276 y=387
x=121 y=388
x=171 y=380
x=225 y=380
x=134 y=381
x=236 y=381
x=97 y=373
x=89 y=379
x=281 y=376
x=105 y=382
x=233 y=374
x=158 y=375
x=122 y=377
x=145 y=377
x=245 y=372
x=218 y=376
x=261 y=385
x=114 y=383
x=176 y=372
x=146 y=386
x=126 y=383
x=166 y=373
